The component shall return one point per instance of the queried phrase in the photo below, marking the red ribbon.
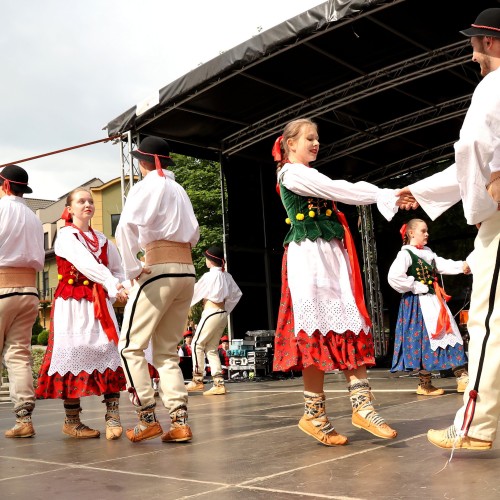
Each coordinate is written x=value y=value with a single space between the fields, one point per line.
x=402 y=231
x=276 y=151
x=158 y=166
x=66 y=216
x=101 y=313
x=443 y=322
x=159 y=169
x=356 y=273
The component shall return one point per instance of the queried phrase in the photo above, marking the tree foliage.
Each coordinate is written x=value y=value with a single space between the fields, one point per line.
x=201 y=180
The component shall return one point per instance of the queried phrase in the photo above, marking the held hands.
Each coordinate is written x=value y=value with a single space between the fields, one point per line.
x=493 y=187
x=406 y=200
x=466 y=268
x=122 y=294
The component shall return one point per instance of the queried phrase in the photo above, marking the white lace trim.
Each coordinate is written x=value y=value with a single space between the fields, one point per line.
x=80 y=343
x=430 y=307
x=84 y=358
x=326 y=315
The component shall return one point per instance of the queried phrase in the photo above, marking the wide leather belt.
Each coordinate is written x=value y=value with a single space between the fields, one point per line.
x=17 y=277
x=163 y=252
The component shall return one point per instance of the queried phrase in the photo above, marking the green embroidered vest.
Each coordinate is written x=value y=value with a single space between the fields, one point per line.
x=422 y=271
x=310 y=218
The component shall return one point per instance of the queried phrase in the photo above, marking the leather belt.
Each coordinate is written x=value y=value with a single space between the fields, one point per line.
x=163 y=251
x=17 y=277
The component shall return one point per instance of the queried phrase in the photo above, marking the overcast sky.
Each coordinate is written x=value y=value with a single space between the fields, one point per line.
x=70 y=67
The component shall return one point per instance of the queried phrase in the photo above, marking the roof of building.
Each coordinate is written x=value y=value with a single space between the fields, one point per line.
x=37 y=203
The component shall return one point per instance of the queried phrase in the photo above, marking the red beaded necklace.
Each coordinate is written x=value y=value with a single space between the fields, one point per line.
x=92 y=243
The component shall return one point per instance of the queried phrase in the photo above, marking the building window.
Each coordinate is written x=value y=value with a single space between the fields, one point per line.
x=45 y=285
x=115 y=219
x=45 y=241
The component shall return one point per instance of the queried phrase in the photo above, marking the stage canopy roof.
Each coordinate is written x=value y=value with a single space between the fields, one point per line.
x=388 y=83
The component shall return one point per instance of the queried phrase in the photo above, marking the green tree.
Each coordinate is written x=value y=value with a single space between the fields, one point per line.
x=201 y=180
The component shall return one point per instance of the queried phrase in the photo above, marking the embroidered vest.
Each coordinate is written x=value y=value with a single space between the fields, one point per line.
x=422 y=271
x=74 y=284
x=310 y=218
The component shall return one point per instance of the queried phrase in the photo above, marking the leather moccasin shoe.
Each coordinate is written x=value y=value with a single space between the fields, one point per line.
x=448 y=439
x=178 y=434
x=137 y=434
x=21 y=430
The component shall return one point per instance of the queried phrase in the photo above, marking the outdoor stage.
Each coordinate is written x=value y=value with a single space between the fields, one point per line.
x=247 y=445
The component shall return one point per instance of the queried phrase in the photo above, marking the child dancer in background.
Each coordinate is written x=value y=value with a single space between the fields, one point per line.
x=427 y=336
x=220 y=294
x=323 y=323
x=82 y=356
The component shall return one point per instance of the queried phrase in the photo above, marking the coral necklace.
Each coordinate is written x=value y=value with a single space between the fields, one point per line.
x=92 y=243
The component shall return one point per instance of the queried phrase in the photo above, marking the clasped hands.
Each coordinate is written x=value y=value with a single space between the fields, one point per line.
x=406 y=200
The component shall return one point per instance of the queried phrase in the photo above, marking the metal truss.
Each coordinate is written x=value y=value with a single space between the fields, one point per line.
x=130 y=170
x=354 y=90
x=431 y=115
x=374 y=301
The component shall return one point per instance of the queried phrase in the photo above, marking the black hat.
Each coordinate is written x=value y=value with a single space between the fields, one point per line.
x=154 y=146
x=17 y=177
x=486 y=24
x=215 y=254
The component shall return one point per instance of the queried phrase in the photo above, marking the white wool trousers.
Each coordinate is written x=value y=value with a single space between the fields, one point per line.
x=156 y=311
x=18 y=311
x=480 y=420
x=206 y=340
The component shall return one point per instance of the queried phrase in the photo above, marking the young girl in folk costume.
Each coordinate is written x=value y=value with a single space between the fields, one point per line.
x=323 y=323
x=427 y=336
x=82 y=356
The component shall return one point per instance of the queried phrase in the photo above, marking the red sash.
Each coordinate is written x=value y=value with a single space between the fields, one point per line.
x=356 y=273
x=101 y=313
x=443 y=322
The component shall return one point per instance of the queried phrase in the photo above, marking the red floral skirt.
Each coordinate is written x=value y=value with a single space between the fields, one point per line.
x=333 y=351
x=71 y=386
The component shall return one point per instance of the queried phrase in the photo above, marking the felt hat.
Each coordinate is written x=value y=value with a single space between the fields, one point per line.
x=224 y=338
x=16 y=177
x=152 y=147
x=188 y=333
x=215 y=254
x=487 y=23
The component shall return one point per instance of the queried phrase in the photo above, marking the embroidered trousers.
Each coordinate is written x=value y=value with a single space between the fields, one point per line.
x=206 y=339
x=156 y=311
x=18 y=311
x=484 y=331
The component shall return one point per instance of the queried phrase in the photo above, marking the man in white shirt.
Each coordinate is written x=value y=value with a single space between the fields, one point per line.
x=21 y=256
x=475 y=179
x=158 y=217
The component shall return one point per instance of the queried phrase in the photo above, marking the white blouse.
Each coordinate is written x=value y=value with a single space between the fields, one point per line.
x=21 y=235
x=217 y=286
x=157 y=208
x=477 y=154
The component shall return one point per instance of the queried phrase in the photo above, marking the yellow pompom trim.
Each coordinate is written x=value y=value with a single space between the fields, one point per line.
x=288 y=221
x=328 y=213
x=59 y=277
x=422 y=281
x=70 y=281
x=86 y=282
x=312 y=214
x=299 y=216
x=430 y=282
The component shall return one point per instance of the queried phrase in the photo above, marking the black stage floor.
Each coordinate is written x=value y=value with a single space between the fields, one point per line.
x=247 y=445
